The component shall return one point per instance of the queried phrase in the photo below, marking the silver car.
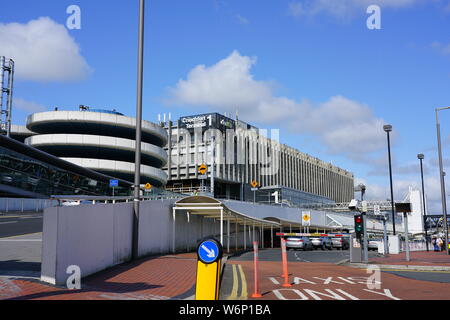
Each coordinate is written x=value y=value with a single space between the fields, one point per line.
x=340 y=243
x=299 y=243
x=322 y=242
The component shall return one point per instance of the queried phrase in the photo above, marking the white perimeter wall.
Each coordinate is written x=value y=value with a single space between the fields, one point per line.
x=96 y=237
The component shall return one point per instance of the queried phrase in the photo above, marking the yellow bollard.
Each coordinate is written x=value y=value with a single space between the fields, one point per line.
x=209 y=254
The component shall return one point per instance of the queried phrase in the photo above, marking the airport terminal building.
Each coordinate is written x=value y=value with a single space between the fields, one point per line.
x=104 y=141
x=244 y=154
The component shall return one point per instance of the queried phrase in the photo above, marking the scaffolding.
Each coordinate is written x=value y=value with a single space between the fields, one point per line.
x=6 y=88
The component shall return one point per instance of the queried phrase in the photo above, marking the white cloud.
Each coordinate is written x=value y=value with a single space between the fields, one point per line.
x=43 y=51
x=28 y=106
x=342 y=8
x=441 y=47
x=242 y=20
x=344 y=126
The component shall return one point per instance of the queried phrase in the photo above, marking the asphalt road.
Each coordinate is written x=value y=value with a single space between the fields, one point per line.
x=327 y=256
x=314 y=275
x=20 y=245
x=20 y=224
x=432 y=276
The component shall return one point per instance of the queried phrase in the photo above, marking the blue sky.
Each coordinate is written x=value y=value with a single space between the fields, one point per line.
x=310 y=68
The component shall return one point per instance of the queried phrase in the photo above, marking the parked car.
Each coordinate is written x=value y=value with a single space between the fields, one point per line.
x=340 y=243
x=322 y=242
x=66 y=203
x=299 y=243
x=373 y=245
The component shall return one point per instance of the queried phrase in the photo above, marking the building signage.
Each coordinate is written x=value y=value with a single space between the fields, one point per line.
x=377 y=210
x=206 y=121
x=202 y=121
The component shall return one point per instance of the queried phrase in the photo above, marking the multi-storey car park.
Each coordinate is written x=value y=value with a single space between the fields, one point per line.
x=100 y=140
x=243 y=154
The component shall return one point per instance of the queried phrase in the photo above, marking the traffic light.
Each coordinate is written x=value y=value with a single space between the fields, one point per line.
x=359 y=229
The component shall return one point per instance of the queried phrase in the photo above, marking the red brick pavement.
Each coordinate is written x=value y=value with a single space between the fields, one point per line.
x=314 y=281
x=417 y=258
x=160 y=278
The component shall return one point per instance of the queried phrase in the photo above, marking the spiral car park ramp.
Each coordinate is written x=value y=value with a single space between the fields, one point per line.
x=101 y=140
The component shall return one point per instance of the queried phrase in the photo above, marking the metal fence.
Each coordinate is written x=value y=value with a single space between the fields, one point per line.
x=416 y=245
x=25 y=205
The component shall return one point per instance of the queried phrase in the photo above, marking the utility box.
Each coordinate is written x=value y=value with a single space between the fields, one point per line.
x=355 y=249
x=394 y=244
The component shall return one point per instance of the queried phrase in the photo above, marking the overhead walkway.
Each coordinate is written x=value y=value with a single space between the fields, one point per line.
x=210 y=208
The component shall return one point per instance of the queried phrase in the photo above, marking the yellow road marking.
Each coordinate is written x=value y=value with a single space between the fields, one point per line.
x=244 y=284
x=234 y=290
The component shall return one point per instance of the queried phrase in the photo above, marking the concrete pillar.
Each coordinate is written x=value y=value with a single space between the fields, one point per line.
x=228 y=235
x=173 y=229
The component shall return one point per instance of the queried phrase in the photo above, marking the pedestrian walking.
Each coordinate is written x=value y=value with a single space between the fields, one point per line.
x=440 y=244
x=434 y=243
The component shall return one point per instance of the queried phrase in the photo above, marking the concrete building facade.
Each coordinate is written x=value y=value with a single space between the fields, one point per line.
x=243 y=154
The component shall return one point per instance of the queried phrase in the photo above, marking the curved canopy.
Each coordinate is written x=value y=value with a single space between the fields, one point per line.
x=211 y=208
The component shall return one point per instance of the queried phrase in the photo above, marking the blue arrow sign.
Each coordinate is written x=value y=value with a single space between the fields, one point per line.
x=113 y=183
x=209 y=251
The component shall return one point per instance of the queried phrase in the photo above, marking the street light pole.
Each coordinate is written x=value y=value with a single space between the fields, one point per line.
x=388 y=128
x=421 y=157
x=441 y=174
x=137 y=170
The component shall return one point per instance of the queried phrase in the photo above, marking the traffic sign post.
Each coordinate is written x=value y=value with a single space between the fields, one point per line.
x=306 y=218
x=404 y=207
x=113 y=184
x=254 y=185
x=203 y=169
x=209 y=255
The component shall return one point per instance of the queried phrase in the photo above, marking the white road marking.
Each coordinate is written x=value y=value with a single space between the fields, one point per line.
x=20 y=240
x=299 y=258
x=9 y=222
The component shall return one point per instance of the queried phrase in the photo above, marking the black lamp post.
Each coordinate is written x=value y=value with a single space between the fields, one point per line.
x=442 y=178
x=137 y=170
x=388 y=128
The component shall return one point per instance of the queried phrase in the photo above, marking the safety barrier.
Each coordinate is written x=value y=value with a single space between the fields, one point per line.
x=285 y=275
x=256 y=293
x=283 y=234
